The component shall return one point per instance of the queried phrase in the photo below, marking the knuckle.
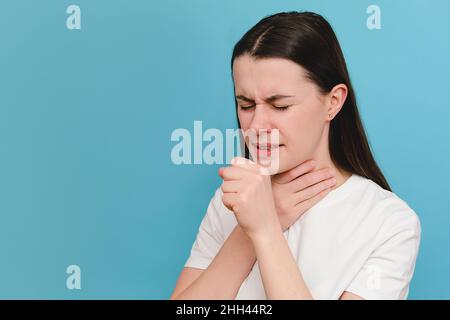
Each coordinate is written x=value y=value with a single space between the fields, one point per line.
x=329 y=172
x=225 y=171
x=305 y=168
x=322 y=174
x=331 y=182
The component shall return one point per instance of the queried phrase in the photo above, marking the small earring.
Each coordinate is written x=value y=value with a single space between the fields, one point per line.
x=330 y=116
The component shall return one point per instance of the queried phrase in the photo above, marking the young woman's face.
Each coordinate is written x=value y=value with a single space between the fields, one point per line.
x=302 y=125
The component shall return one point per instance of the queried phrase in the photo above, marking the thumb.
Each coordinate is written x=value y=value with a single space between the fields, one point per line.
x=244 y=163
x=249 y=165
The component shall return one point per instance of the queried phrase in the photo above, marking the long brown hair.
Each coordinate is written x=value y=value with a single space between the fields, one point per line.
x=307 y=39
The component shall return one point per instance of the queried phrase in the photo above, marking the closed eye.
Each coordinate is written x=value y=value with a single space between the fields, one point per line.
x=281 y=108
x=246 y=107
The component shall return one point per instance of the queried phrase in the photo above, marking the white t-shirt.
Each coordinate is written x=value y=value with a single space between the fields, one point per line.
x=359 y=238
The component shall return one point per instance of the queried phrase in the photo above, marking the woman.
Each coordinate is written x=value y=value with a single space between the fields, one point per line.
x=326 y=224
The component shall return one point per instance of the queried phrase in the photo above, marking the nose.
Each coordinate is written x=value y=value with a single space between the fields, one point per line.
x=261 y=123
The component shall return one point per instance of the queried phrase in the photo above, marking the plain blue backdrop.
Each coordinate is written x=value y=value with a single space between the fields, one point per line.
x=86 y=117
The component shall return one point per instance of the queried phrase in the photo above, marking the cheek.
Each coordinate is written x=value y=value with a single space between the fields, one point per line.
x=304 y=130
x=244 y=119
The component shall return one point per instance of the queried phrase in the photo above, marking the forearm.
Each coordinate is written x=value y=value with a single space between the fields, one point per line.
x=280 y=274
x=224 y=276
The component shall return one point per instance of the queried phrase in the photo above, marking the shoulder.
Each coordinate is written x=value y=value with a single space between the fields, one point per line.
x=390 y=230
x=387 y=210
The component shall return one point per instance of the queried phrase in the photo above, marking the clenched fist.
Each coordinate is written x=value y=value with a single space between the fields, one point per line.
x=248 y=193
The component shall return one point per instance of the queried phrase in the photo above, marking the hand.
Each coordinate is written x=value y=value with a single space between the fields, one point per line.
x=248 y=193
x=297 y=190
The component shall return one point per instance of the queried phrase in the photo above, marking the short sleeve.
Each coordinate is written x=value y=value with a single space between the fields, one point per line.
x=389 y=269
x=210 y=235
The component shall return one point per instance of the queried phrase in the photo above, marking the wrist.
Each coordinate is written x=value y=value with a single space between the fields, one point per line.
x=264 y=237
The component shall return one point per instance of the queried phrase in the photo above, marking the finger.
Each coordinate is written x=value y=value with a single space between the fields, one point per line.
x=315 y=189
x=310 y=179
x=295 y=172
x=229 y=199
x=233 y=173
x=308 y=204
x=231 y=186
x=244 y=163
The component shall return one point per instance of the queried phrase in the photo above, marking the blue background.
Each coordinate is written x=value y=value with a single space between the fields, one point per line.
x=86 y=118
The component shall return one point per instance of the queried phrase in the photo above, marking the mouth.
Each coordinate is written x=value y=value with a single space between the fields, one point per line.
x=266 y=149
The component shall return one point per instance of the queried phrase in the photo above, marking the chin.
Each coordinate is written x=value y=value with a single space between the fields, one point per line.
x=286 y=166
x=275 y=168
x=281 y=169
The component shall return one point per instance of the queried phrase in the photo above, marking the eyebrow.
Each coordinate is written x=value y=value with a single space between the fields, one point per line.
x=268 y=100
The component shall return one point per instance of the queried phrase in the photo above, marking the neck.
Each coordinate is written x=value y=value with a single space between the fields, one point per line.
x=323 y=160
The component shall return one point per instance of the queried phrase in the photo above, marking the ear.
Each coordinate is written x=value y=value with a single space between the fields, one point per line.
x=336 y=99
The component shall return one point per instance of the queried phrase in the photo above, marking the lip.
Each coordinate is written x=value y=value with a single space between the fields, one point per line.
x=266 y=146
x=266 y=154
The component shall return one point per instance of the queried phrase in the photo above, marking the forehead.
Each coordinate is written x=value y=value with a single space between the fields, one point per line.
x=267 y=75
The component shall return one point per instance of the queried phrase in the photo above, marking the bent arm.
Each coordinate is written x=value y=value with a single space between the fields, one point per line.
x=224 y=276
x=280 y=274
